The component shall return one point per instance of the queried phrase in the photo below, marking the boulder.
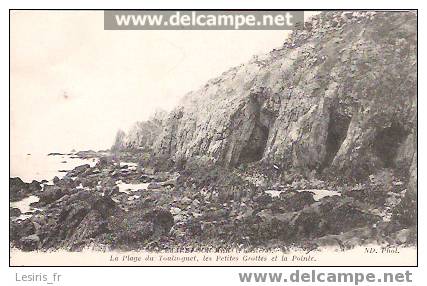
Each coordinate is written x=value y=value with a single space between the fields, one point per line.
x=34 y=186
x=297 y=200
x=76 y=220
x=406 y=236
x=50 y=194
x=19 y=189
x=78 y=170
x=14 y=212
x=331 y=216
x=169 y=183
x=137 y=228
x=20 y=228
x=30 y=243
x=55 y=180
x=154 y=185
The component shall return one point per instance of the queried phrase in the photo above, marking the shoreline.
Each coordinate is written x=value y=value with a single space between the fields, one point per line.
x=171 y=208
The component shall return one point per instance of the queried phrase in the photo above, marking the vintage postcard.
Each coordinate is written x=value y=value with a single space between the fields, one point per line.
x=213 y=138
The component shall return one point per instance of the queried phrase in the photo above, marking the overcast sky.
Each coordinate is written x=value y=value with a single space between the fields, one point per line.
x=73 y=85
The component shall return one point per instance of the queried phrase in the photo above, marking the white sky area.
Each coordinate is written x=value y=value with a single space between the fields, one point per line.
x=73 y=85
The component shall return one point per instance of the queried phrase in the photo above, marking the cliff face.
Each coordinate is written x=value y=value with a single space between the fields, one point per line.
x=142 y=135
x=341 y=94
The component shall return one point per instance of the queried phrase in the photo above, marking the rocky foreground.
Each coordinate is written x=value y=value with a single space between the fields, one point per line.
x=209 y=207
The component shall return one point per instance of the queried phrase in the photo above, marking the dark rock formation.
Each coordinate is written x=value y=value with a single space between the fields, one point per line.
x=20 y=229
x=14 y=212
x=73 y=217
x=30 y=242
x=50 y=194
x=19 y=189
x=78 y=170
x=339 y=95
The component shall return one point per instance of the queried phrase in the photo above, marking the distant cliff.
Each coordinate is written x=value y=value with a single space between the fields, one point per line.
x=339 y=95
x=142 y=135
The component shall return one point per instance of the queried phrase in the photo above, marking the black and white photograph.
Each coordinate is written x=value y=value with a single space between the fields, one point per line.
x=213 y=138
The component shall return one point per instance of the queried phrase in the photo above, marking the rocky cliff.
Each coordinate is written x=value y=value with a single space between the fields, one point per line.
x=341 y=94
x=142 y=134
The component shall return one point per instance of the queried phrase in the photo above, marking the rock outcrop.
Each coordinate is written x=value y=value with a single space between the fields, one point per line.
x=340 y=94
x=142 y=134
x=19 y=189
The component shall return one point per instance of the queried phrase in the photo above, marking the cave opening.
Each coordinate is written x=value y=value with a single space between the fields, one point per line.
x=254 y=150
x=337 y=132
x=386 y=143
